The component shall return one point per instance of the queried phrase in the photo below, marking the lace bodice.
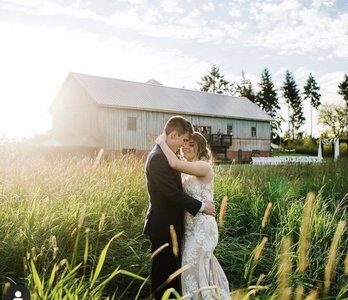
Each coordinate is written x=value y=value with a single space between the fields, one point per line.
x=198 y=189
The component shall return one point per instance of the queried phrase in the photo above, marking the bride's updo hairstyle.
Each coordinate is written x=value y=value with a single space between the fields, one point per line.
x=203 y=152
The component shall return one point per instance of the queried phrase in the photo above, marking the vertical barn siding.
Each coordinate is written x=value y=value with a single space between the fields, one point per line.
x=114 y=133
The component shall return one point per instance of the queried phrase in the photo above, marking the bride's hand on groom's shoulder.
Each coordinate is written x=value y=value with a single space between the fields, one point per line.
x=161 y=139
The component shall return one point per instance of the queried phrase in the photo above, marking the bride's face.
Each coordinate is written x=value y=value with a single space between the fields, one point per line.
x=189 y=150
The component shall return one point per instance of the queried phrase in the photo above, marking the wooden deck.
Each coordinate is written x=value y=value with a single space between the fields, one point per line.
x=219 y=143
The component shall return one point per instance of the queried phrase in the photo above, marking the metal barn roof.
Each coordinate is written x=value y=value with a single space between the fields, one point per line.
x=154 y=97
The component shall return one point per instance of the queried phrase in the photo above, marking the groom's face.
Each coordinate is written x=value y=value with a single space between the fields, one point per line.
x=181 y=139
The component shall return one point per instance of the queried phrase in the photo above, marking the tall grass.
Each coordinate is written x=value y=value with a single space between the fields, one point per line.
x=59 y=218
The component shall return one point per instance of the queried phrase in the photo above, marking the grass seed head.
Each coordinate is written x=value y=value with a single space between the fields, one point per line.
x=285 y=269
x=313 y=294
x=101 y=223
x=82 y=214
x=223 y=209
x=174 y=239
x=7 y=286
x=266 y=215
x=25 y=263
x=158 y=250
x=33 y=254
x=299 y=292
x=53 y=241
x=331 y=261
x=260 y=248
x=305 y=232
x=73 y=232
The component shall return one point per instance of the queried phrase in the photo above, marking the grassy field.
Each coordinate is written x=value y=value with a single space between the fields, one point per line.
x=72 y=231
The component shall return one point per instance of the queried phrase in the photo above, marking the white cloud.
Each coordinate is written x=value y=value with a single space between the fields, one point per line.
x=289 y=27
x=286 y=27
x=50 y=8
x=144 y=20
x=275 y=11
x=130 y=19
x=171 y=6
x=329 y=86
x=235 y=8
x=320 y=3
x=234 y=12
x=208 y=7
x=301 y=74
x=132 y=2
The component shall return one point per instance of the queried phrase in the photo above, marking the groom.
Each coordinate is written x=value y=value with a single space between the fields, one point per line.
x=167 y=205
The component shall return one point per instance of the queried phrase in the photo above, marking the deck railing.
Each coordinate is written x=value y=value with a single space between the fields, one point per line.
x=219 y=140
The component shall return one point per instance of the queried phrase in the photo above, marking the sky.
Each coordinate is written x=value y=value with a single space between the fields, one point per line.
x=175 y=42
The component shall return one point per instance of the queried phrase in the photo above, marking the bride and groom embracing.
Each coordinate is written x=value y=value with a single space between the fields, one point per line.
x=181 y=195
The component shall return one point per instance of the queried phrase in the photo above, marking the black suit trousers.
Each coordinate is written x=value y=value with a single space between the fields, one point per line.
x=164 y=264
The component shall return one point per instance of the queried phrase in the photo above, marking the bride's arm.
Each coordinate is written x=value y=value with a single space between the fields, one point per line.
x=196 y=168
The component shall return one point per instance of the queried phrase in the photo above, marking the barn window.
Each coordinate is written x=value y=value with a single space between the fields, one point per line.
x=253 y=131
x=230 y=129
x=203 y=129
x=132 y=123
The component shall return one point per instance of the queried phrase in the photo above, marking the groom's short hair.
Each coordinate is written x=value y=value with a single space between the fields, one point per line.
x=178 y=123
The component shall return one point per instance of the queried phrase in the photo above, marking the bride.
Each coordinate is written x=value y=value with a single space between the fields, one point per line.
x=205 y=278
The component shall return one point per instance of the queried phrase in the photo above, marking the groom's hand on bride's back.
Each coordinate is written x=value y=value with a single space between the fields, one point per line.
x=209 y=208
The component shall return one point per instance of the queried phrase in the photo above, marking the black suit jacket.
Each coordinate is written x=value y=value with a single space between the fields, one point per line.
x=167 y=201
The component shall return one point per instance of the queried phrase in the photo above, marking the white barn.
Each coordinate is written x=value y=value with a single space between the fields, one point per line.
x=123 y=116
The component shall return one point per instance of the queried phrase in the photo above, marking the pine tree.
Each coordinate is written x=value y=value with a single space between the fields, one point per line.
x=343 y=88
x=295 y=106
x=343 y=91
x=311 y=92
x=215 y=82
x=245 y=89
x=267 y=99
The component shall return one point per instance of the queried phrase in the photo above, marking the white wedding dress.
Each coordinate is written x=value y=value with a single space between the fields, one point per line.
x=205 y=278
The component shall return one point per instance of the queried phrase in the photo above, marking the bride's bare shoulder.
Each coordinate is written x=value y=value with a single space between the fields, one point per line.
x=208 y=168
x=206 y=164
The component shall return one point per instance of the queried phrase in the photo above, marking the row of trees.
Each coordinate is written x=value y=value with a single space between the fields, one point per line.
x=267 y=97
